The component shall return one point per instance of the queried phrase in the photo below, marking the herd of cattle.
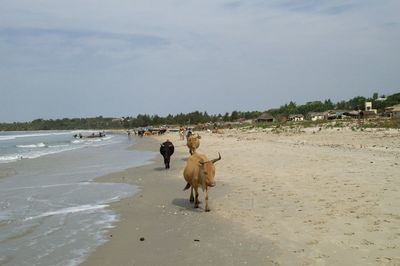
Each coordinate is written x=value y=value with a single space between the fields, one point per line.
x=149 y=132
x=199 y=171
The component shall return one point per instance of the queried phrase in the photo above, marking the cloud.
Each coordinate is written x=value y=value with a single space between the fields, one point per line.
x=333 y=7
x=247 y=54
x=51 y=47
x=62 y=37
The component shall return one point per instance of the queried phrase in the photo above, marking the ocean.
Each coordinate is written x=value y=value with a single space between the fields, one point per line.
x=51 y=210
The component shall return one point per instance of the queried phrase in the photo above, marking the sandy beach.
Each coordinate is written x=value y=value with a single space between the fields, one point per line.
x=297 y=197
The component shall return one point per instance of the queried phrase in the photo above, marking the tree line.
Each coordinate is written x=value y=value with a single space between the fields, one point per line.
x=356 y=103
x=141 y=120
x=197 y=117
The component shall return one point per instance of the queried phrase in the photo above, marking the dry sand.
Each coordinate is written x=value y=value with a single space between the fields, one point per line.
x=300 y=197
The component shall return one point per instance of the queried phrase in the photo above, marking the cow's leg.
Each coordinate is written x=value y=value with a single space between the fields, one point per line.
x=191 y=195
x=206 y=199
x=196 y=200
x=165 y=162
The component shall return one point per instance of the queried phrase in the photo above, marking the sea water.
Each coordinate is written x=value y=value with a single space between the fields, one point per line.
x=52 y=212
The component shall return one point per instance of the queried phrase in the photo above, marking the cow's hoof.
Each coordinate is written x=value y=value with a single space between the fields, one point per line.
x=196 y=206
x=207 y=210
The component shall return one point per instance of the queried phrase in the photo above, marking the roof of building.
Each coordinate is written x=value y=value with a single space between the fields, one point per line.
x=265 y=116
x=394 y=108
x=316 y=113
x=296 y=115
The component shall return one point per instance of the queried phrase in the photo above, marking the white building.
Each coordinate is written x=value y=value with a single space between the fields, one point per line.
x=368 y=107
x=297 y=117
x=314 y=116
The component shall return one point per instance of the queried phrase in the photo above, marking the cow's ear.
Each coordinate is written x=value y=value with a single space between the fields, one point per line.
x=201 y=163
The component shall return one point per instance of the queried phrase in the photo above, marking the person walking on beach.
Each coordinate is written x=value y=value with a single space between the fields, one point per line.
x=181 y=133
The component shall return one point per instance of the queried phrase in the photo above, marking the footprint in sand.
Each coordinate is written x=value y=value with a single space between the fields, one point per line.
x=312 y=242
x=298 y=250
x=367 y=242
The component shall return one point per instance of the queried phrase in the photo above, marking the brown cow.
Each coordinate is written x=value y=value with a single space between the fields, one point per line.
x=199 y=172
x=147 y=133
x=193 y=143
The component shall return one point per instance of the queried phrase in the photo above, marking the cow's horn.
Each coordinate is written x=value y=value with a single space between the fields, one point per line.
x=217 y=159
x=201 y=162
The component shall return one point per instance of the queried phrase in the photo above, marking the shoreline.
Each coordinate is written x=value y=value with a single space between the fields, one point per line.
x=172 y=229
x=294 y=197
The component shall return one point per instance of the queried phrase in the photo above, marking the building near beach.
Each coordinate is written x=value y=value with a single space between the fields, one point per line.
x=394 y=111
x=296 y=117
x=314 y=116
x=368 y=107
x=335 y=114
x=367 y=114
x=265 y=117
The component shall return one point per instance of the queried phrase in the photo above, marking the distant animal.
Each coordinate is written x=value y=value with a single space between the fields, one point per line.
x=162 y=131
x=147 y=133
x=140 y=132
x=217 y=131
x=189 y=133
x=193 y=143
x=199 y=172
x=166 y=150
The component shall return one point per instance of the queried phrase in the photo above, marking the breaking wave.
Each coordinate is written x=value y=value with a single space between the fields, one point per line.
x=81 y=208
x=32 y=146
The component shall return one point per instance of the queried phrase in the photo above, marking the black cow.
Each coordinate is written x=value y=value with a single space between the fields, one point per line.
x=166 y=150
x=162 y=131
x=140 y=132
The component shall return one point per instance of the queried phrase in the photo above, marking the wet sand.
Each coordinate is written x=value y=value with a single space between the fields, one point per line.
x=297 y=197
x=174 y=232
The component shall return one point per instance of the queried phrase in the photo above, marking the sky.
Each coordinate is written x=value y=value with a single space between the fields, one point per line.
x=86 y=58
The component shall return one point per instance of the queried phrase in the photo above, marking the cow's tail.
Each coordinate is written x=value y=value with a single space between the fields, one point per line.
x=187 y=186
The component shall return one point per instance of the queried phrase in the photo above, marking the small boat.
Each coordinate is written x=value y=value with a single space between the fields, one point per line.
x=93 y=135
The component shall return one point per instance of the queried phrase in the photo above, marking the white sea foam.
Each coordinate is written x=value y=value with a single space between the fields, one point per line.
x=7 y=137
x=59 y=146
x=31 y=146
x=32 y=154
x=49 y=186
x=81 y=255
x=11 y=137
x=81 y=208
x=10 y=158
